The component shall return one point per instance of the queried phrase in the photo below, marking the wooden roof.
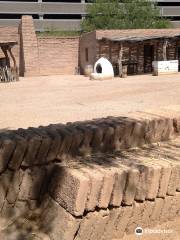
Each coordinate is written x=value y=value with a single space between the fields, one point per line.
x=6 y=43
x=135 y=35
x=8 y=36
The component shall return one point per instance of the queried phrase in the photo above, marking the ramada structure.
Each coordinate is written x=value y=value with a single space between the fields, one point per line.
x=137 y=49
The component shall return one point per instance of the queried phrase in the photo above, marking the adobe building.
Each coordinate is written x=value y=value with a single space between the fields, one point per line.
x=136 y=48
x=35 y=55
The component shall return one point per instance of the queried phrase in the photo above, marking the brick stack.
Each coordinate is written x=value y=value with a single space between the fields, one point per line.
x=87 y=179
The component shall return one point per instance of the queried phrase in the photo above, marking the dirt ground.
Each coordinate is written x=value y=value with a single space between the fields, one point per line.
x=52 y=99
x=171 y=229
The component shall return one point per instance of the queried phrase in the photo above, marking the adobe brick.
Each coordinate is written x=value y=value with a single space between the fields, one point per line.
x=34 y=142
x=55 y=142
x=131 y=185
x=41 y=155
x=59 y=223
x=19 y=152
x=69 y=187
x=96 y=182
x=31 y=184
x=7 y=146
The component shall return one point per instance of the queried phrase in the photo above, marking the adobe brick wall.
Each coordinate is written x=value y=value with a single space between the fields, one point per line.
x=29 y=47
x=58 y=55
x=86 y=179
x=10 y=34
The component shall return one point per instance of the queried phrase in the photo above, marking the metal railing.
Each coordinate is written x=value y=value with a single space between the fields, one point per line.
x=43 y=9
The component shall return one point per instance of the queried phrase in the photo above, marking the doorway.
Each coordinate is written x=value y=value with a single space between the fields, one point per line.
x=148 y=58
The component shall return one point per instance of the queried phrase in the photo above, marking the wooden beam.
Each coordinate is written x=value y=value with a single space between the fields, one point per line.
x=165 y=44
x=15 y=69
x=110 y=51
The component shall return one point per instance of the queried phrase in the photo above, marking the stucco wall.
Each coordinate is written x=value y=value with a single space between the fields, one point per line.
x=58 y=55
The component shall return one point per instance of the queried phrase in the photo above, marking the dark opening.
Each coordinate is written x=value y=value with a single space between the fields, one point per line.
x=87 y=54
x=99 y=68
x=148 y=58
x=178 y=53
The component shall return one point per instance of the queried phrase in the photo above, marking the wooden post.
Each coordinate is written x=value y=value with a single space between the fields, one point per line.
x=165 y=50
x=110 y=51
x=120 y=60
x=4 y=49
x=15 y=65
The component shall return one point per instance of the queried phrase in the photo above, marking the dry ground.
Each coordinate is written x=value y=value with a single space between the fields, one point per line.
x=172 y=229
x=52 y=99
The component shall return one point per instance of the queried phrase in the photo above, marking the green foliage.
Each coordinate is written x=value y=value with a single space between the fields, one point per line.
x=125 y=14
x=55 y=33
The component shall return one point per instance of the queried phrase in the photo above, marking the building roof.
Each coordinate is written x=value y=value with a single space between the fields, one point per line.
x=8 y=36
x=135 y=35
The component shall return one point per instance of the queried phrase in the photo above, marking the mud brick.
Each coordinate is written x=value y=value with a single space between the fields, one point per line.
x=97 y=139
x=7 y=146
x=166 y=209
x=85 y=148
x=121 y=175
x=150 y=178
x=147 y=212
x=69 y=187
x=141 y=189
x=55 y=142
x=111 y=226
x=174 y=113
x=122 y=221
x=77 y=138
x=45 y=145
x=5 y=180
x=49 y=170
x=59 y=223
x=169 y=117
x=131 y=185
x=66 y=136
x=175 y=207
x=19 y=152
x=136 y=217
x=96 y=181
x=34 y=143
x=157 y=126
x=108 y=135
x=14 y=187
x=31 y=184
x=153 y=178
x=107 y=187
x=164 y=177
x=138 y=132
x=115 y=139
x=125 y=127
x=173 y=181
x=100 y=226
x=87 y=226
x=156 y=213
x=92 y=226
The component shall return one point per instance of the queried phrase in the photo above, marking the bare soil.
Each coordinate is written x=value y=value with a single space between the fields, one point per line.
x=52 y=99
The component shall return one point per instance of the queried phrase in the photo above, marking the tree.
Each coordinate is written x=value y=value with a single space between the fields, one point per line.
x=125 y=14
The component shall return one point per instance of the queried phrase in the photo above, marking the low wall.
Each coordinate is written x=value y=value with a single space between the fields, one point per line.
x=58 y=55
x=88 y=180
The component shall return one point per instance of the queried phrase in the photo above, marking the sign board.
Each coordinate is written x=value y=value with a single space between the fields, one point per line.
x=165 y=67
